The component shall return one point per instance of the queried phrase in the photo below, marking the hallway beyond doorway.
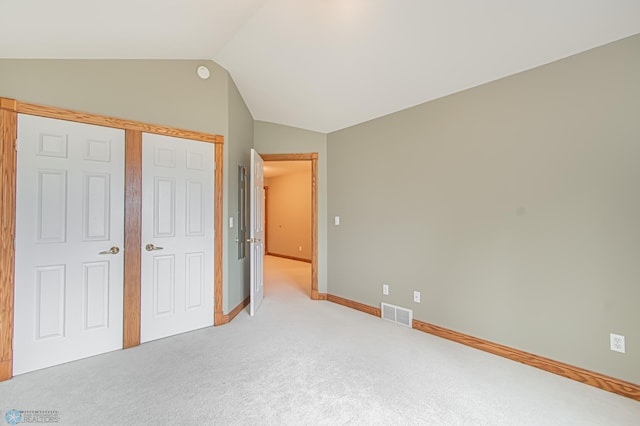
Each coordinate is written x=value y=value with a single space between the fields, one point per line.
x=285 y=275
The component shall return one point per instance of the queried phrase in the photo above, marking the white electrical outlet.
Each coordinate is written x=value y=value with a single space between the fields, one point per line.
x=385 y=289
x=416 y=296
x=617 y=342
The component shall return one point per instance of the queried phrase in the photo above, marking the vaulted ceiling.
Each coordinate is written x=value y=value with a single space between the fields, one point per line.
x=324 y=64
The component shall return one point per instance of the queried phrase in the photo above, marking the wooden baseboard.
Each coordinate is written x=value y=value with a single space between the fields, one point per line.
x=284 y=256
x=318 y=296
x=354 y=305
x=587 y=377
x=218 y=318
x=231 y=315
x=591 y=378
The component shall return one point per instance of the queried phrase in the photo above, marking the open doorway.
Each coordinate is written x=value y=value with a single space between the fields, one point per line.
x=292 y=247
x=288 y=209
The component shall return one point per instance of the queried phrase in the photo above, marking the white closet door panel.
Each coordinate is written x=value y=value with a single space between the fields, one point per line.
x=177 y=220
x=95 y=286
x=69 y=208
x=50 y=302
x=194 y=282
x=96 y=212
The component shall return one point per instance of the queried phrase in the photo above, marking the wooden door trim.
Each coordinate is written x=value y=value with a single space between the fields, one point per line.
x=313 y=157
x=8 y=136
x=118 y=123
x=218 y=312
x=132 y=238
x=9 y=110
x=266 y=220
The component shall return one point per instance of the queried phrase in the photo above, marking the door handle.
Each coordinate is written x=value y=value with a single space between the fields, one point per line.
x=151 y=247
x=112 y=250
x=254 y=240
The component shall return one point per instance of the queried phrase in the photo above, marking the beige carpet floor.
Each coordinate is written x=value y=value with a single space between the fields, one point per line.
x=300 y=362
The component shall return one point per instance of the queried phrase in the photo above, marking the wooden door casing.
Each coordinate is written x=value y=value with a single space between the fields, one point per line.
x=9 y=109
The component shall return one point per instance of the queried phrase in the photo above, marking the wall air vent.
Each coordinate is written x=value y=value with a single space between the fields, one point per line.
x=397 y=314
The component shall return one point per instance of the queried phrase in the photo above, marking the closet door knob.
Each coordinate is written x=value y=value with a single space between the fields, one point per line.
x=112 y=250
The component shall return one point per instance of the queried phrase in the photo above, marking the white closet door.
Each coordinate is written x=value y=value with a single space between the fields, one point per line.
x=177 y=236
x=69 y=238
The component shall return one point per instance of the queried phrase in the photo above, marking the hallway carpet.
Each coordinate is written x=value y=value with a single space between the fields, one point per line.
x=300 y=362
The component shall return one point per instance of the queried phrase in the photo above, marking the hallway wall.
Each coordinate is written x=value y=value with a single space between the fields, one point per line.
x=289 y=215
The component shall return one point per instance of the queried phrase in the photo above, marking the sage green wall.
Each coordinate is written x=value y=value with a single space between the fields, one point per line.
x=514 y=207
x=154 y=91
x=270 y=138
x=237 y=152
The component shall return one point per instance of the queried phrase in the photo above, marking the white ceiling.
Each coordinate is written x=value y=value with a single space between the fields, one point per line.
x=324 y=64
